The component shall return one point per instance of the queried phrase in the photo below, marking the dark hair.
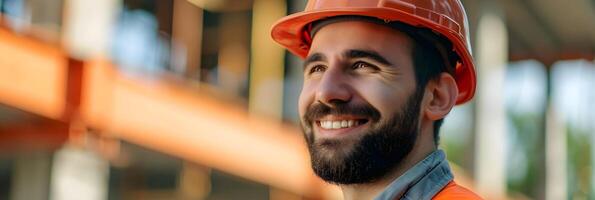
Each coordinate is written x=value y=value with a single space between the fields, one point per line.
x=432 y=53
x=432 y=56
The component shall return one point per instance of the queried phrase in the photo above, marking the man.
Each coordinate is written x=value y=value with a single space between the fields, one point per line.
x=379 y=77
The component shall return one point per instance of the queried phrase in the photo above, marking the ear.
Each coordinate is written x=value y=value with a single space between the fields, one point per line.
x=441 y=96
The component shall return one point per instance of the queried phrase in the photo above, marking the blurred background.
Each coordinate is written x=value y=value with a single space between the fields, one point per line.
x=191 y=99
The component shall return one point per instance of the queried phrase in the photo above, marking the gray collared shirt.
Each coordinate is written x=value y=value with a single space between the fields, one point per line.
x=422 y=181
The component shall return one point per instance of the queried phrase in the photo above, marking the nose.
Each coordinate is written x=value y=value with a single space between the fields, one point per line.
x=333 y=88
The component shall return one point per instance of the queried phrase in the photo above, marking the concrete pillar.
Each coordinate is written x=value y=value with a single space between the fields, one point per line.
x=79 y=174
x=195 y=181
x=31 y=176
x=47 y=15
x=266 y=68
x=187 y=27
x=492 y=58
x=592 y=111
x=234 y=55
x=88 y=26
x=555 y=155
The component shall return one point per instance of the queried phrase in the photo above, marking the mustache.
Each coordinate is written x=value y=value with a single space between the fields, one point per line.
x=319 y=110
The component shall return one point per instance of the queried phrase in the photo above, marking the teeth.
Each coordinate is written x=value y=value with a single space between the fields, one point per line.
x=328 y=125
x=338 y=124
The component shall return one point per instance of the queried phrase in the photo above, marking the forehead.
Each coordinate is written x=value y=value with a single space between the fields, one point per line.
x=344 y=35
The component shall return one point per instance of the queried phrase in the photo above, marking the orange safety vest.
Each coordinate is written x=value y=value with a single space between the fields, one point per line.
x=454 y=191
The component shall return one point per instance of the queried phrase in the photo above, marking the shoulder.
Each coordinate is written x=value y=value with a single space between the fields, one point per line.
x=454 y=191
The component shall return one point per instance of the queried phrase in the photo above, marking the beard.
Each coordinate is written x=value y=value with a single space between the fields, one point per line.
x=373 y=155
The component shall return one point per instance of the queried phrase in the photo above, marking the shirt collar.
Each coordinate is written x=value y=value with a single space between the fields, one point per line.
x=422 y=181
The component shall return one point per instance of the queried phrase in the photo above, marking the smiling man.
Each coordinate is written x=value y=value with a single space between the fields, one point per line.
x=379 y=77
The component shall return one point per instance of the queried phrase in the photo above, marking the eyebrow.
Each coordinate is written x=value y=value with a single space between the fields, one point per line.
x=356 y=53
x=315 y=57
x=351 y=54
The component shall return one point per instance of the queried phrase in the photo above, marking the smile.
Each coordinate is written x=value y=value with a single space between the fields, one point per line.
x=333 y=124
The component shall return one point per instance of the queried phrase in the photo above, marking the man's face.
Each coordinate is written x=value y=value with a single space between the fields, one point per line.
x=359 y=105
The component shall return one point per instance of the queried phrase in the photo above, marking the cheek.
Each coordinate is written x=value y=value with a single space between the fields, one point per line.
x=305 y=99
x=387 y=98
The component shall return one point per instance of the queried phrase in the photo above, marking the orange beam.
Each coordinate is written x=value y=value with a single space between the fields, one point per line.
x=157 y=114
x=167 y=117
x=32 y=75
x=30 y=136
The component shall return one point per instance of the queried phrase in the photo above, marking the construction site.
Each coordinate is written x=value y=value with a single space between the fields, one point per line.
x=192 y=99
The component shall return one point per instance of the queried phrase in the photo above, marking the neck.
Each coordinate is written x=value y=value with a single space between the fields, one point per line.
x=422 y=148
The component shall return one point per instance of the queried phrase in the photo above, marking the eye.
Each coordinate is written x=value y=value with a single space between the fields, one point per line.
x=363 y=65
x=316 y=69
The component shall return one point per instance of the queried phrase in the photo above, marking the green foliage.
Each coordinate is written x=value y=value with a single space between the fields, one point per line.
x=528 y=132
x=579 y=163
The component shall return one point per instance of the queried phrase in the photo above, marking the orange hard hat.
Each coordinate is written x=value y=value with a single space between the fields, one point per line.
x=446 y=17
